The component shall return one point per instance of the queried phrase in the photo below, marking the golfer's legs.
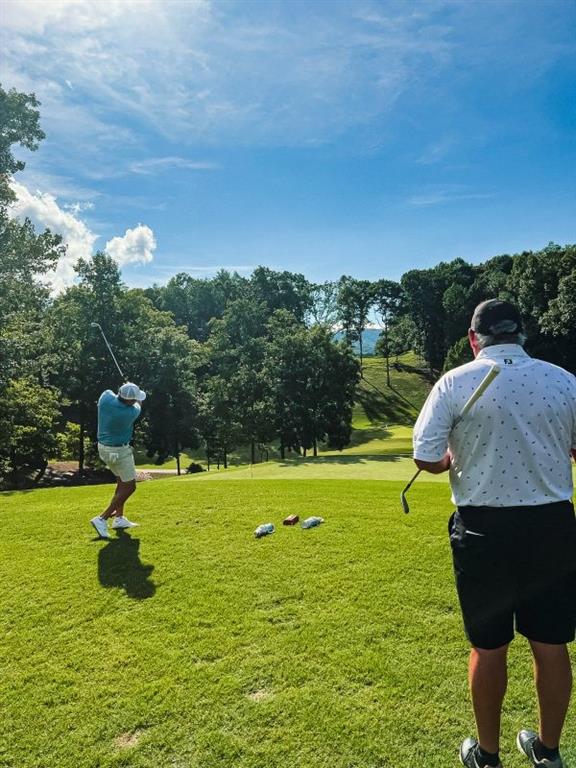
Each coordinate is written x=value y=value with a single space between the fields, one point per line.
x=553 y=677
x=119 y=511
x=488 y=677
x=123 y=491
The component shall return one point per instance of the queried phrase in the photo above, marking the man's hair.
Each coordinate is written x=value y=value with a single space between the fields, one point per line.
x=489 y=340
x=497 y=321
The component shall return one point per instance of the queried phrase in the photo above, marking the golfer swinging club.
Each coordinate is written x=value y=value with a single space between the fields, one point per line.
x=116 y=417
x=513 y=535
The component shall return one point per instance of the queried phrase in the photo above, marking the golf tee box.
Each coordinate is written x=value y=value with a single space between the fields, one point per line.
x=291 y=520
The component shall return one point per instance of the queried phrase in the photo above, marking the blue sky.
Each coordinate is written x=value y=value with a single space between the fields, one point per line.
x=326 y=137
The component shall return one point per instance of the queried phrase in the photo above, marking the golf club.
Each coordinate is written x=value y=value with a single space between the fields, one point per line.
x=480 y=389
x=97 y=325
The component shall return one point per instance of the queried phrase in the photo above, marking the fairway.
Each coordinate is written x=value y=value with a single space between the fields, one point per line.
x=188 y=644
x=334 y=467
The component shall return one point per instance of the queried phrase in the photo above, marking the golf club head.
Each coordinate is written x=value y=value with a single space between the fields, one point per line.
x=404 y=503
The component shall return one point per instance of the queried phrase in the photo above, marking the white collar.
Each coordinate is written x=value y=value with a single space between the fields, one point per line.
x=502 y=351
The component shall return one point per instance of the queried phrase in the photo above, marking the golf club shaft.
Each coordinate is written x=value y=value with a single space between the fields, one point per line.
x=478 y=392
x=411 y=481
x=97 y=325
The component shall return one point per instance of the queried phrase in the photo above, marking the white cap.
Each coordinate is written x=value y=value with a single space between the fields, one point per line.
x=131 y=391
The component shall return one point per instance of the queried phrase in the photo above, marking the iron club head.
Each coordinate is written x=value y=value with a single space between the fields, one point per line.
x=403 y=499
x=404 y=502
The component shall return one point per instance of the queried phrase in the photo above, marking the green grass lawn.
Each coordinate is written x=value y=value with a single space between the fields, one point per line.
x=189 y=644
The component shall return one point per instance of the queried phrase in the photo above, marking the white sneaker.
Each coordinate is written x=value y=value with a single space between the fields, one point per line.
x=123 y=522
x=101 y=527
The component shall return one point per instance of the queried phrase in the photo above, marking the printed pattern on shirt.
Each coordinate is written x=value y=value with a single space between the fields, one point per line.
x=513 y=447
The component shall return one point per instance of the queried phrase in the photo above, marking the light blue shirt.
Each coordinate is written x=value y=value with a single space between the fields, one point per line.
x=115 y=419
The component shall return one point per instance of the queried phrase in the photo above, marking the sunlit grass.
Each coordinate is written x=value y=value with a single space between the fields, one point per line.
x=188 y=643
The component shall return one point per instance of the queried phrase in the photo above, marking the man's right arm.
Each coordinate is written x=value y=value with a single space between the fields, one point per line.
x=430 y=435
x=435 y=467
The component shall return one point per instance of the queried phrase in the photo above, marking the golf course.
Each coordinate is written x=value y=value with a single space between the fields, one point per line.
x=187 y=643
x=287 y=384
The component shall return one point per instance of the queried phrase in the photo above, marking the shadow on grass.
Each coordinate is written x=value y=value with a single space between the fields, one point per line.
x=384 y=406
x=361 y=436
x=354 y=458
x=119 y=565
x=17 y=490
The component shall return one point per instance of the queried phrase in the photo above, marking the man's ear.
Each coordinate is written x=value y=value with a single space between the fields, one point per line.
x=473 y=341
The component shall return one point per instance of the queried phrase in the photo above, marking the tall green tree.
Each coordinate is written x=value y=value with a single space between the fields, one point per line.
x=541 y=283
x=25 y=258
x=355 y=299
x=165 y=361
x=387 y=296
x=314 y=380
x=83 y=367
x=282 y=290
x=171 y=413
x=438 y=302
x=28 y=416
x=237 y=352
x=192 y=302
x=19 y=124
x=323 y=304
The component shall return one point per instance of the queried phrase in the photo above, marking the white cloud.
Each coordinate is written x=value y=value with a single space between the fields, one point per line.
x=78 y=15
x=436 y=152
x=78 y=207
x=61 y=187
x=440 y=197
x=159 y=164
x=44 y=212
x=137 y=246
x=213 y=72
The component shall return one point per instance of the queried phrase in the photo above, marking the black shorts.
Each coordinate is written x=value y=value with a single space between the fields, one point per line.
x=516 y=564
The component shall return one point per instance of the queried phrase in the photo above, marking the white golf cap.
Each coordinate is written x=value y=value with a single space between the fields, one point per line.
x=131 y=391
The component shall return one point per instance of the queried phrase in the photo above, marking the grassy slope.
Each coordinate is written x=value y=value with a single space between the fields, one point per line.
x=379 y=404
x=191 y=645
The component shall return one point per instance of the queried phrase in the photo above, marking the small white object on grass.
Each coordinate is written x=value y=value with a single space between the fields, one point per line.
x=310 y=522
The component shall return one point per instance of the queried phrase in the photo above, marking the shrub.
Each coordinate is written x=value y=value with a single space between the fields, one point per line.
x=194 y=467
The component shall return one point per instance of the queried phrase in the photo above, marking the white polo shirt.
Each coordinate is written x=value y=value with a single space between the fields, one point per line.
x=513 y=448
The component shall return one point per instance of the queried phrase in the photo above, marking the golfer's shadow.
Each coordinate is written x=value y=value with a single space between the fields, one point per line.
x=119 y=565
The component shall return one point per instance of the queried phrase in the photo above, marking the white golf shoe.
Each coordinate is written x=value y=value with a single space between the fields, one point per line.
x=123 y=522
x=525 y=742
x=101 y=527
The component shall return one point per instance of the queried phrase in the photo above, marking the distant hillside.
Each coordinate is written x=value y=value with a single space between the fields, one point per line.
x=369 y=339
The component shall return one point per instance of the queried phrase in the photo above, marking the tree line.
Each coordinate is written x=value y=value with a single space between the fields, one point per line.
x=230 y=360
